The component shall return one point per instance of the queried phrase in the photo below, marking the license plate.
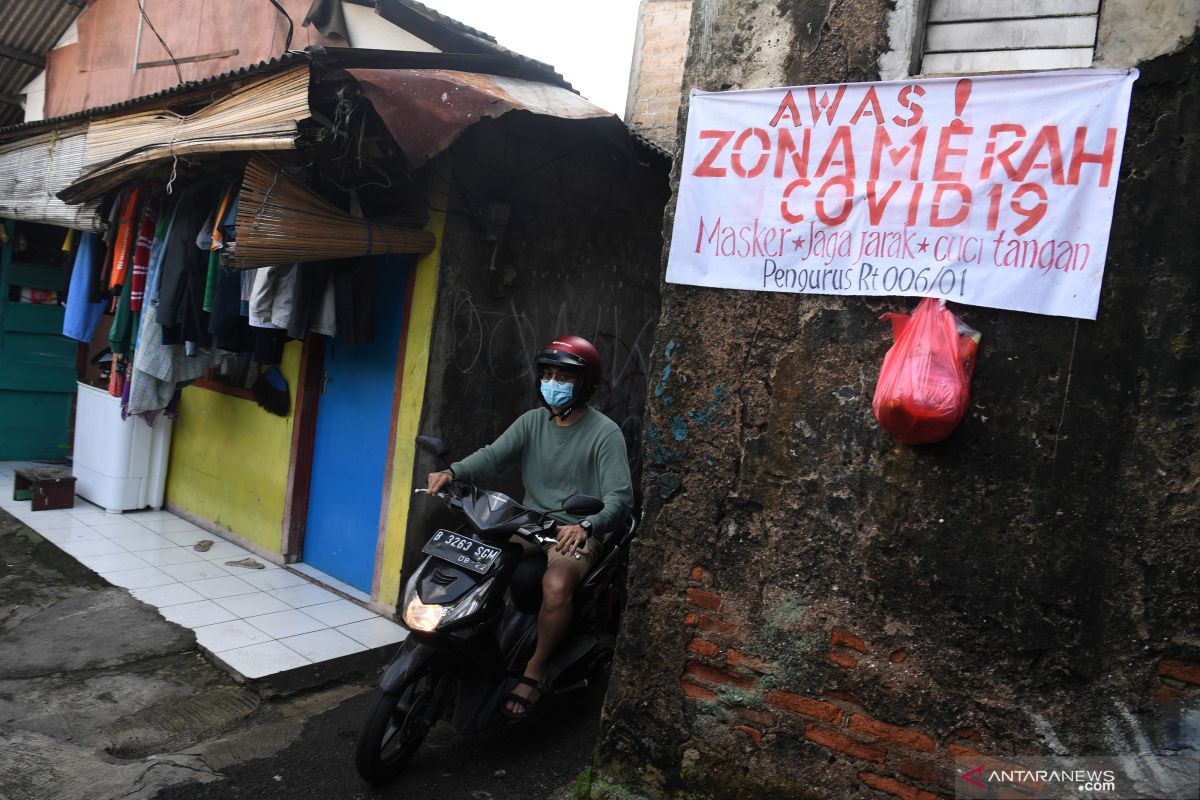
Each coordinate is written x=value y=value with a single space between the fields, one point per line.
x=461 y=550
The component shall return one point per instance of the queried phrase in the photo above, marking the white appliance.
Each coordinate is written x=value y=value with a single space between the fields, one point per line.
x=120 y=465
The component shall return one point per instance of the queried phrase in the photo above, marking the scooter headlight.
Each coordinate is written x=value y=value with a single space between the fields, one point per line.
x=427 y=617
x=421 y=617
x=468 y=604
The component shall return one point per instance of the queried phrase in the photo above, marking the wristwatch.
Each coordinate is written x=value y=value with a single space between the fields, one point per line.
x=586 y=524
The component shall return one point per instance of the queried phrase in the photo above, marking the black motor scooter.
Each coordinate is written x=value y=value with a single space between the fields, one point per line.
x=472 y=609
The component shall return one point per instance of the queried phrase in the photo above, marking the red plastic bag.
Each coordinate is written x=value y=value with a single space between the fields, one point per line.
x=924 y=385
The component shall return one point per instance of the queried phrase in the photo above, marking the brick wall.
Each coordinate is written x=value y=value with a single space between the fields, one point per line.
x=657 y=71
x=766 y=707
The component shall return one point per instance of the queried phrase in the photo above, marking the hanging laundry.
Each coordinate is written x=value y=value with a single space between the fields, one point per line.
x=82 y=315
x=126 y=237
x=185 y=269
x=354 y=279
x=215 y=241
x=116 y=378
x=272 y=297
x=120 y=334
x=115 y=204
x=157 y=250
x=231 y=331
x=141 y=251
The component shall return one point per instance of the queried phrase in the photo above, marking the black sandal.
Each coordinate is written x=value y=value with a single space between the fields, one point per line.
x=524 y=703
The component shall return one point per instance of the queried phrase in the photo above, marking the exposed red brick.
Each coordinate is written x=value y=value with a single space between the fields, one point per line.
x=715 y=675
x=717 y=624
x=875 y=729
x=969 y=733
x=844 y=744
x=691 y=618
x=920 y=770
x=958 y=751
x=840 y=637
x=762 y=719
x=702 y=647
x=805 y=706
x=898 y=657
x=894 y=787
x=737 y=658
x=1180 y=671
x=698 y=574
x=844 y=696
x=697 y=692
x=753 y=733
x=844 y=660
x=704 y=599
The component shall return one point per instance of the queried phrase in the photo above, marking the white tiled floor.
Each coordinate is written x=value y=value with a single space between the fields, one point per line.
x=257 y=621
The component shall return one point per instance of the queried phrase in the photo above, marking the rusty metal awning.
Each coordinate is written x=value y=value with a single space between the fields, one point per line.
x=425 y=110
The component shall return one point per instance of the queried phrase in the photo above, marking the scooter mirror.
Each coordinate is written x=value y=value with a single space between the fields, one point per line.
x=582 y=505
x=433 y=446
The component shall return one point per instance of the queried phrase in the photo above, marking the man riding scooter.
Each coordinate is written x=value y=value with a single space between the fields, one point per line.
x=563 y=449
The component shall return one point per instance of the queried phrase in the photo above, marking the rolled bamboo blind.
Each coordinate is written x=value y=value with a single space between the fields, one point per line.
x=261 y=115
x=33 y=171
x=280 y=220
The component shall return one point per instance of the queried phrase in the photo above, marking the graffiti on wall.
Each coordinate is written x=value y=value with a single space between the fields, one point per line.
x=502 y=346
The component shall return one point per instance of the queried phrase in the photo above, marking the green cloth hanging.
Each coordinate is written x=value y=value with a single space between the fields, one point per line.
x=214 y=275
x=120 y=335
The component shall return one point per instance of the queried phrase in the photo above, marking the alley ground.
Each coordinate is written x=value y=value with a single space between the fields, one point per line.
x=101 y=697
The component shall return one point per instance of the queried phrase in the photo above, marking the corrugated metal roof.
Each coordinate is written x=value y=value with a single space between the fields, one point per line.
x=330 y=58
x=28 y=28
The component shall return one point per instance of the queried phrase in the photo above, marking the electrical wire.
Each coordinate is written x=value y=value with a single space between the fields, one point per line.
x=287 y=45
x=170 y=55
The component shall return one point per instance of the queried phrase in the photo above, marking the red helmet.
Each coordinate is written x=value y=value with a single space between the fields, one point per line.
x=578 y=355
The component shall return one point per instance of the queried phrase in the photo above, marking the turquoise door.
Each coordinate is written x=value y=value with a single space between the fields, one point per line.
x=37 y=364
x=354 y=421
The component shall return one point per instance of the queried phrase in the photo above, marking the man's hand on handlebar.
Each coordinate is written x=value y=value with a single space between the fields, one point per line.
x=571 y=538
x=439 y=481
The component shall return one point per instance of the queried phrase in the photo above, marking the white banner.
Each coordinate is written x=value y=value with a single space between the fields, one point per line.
x=994 y=190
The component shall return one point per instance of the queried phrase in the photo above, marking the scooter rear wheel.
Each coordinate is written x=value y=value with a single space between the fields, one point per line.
x=396 y=725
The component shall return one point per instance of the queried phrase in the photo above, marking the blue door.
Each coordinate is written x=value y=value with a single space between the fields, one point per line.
x=354 y=420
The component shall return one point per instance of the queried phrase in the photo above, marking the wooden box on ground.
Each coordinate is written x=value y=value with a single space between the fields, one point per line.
x=48 y=487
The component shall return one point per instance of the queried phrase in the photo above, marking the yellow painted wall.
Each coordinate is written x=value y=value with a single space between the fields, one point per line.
x=229 y=459
x=416 y=367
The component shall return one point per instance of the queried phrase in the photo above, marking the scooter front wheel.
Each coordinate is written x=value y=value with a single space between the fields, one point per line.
x=396 y=724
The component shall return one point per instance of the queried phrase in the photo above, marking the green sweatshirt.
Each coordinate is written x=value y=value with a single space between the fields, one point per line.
x=587 y=457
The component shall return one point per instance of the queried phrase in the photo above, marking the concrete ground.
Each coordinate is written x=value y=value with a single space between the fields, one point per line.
x=101 y=697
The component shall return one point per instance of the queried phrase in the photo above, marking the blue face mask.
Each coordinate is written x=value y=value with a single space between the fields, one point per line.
x=557 y=393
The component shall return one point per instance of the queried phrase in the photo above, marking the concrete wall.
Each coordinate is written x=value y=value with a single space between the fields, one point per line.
x=580 y=254
x=817 y=611
x=659 y=48
x=229 y=460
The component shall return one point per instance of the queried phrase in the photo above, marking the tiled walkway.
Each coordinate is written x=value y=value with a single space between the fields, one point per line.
x=258 y=621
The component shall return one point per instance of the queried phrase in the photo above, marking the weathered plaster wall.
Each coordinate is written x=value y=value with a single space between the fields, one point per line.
x=819 y=611
x=1139 y=30
x=229 y=460
x=579 y=254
